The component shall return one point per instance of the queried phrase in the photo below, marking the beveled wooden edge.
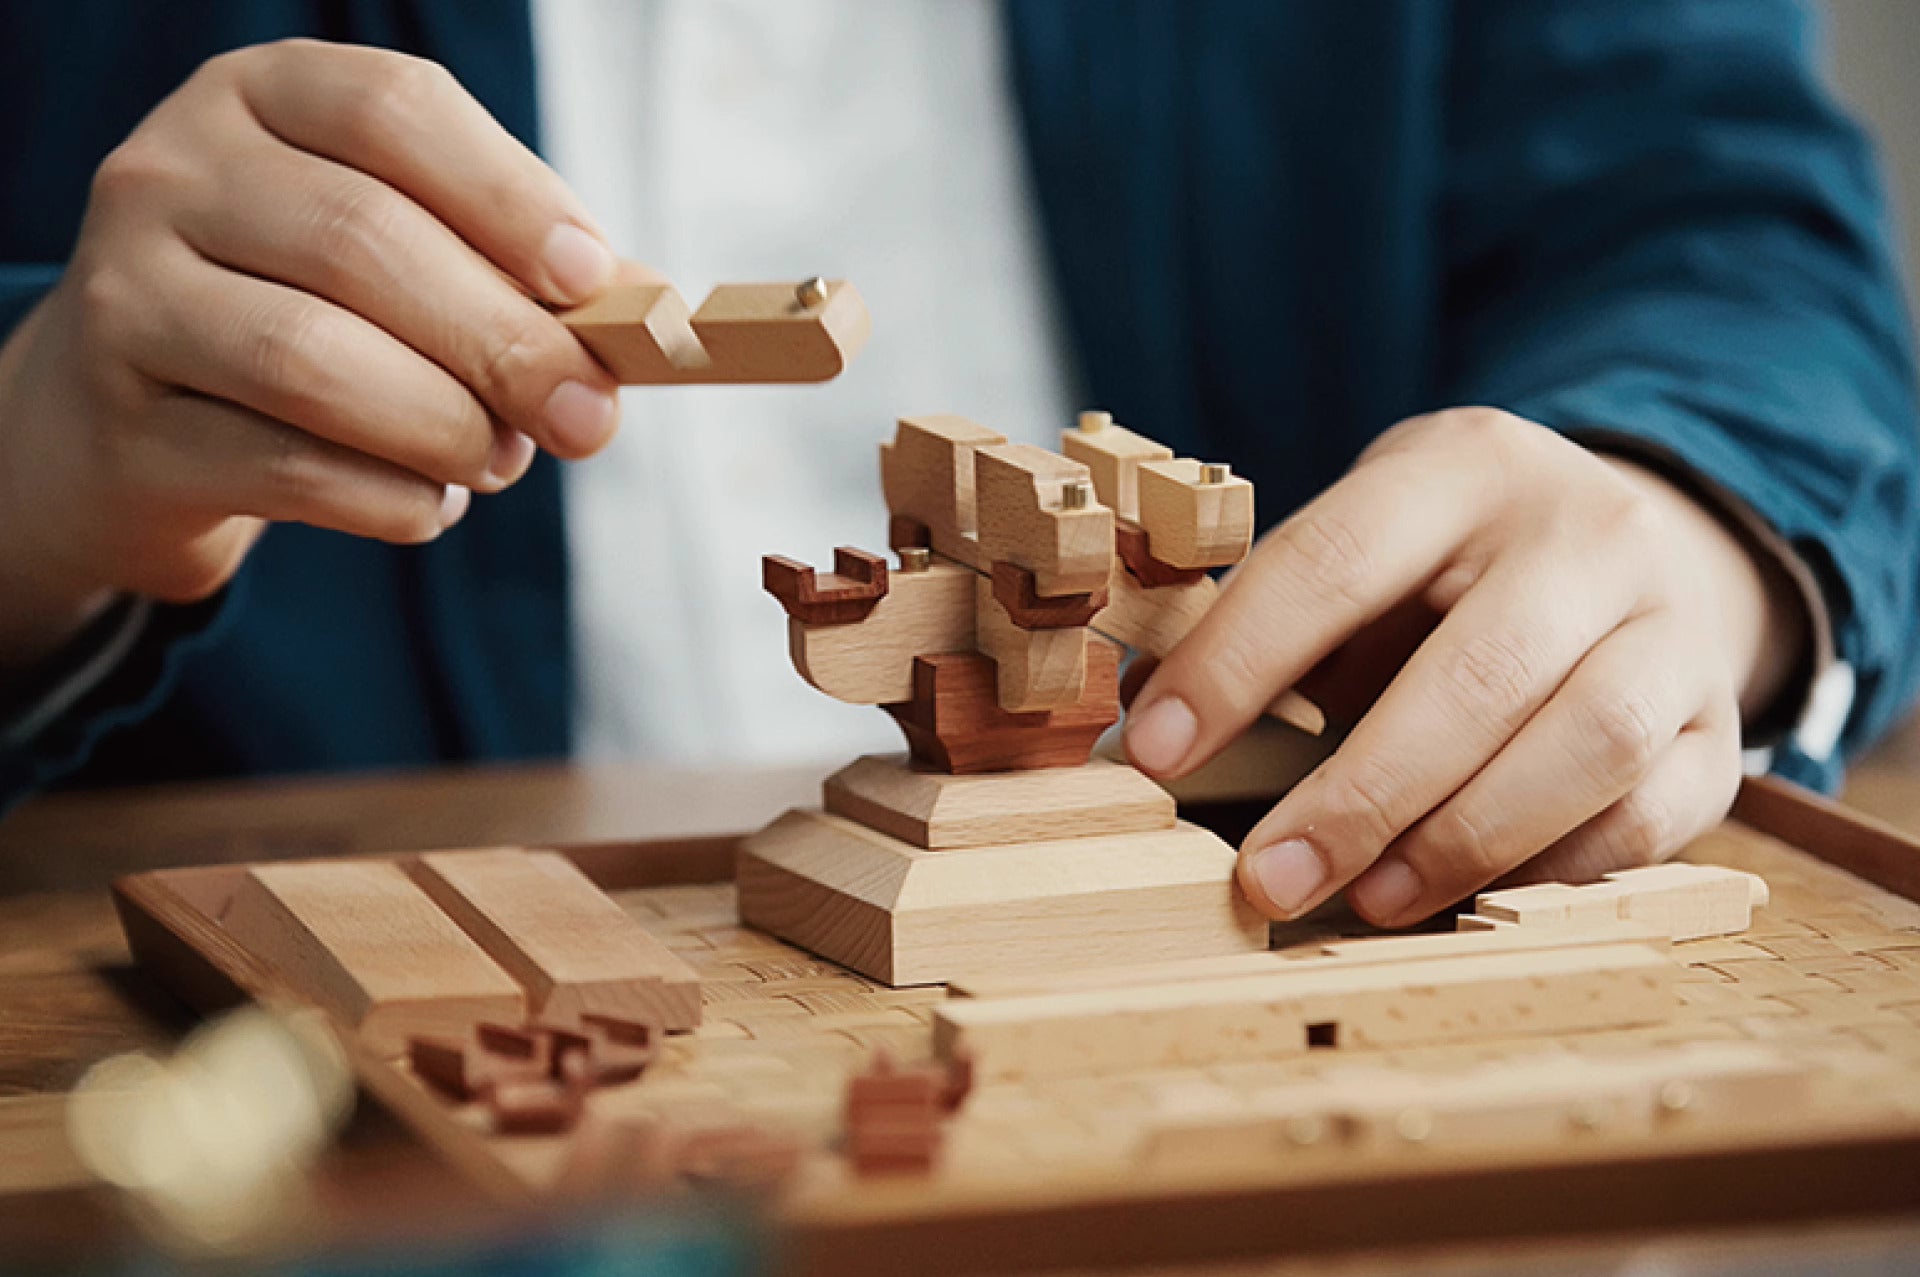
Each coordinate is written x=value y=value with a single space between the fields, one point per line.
x=1844 y=837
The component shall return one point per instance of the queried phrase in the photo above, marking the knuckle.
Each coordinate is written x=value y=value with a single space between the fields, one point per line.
x=134 y=170
x=1466 y=851
x=1361 y=797
x=1622 y=734
x=356 y=229
x=1326 y=555
x=1494 y=672
x=1643 y=832
x=286 y=353
x=399 y=89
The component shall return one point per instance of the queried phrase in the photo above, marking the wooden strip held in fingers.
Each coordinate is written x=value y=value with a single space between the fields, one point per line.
x=1475 y=997
x=361 y=941
x=574 y=949
x=743 y=334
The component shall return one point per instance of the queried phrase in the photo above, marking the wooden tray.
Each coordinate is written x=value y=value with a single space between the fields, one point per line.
x=1038 y=1175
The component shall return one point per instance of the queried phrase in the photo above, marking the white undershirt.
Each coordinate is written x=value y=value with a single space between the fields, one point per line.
x=744 y=140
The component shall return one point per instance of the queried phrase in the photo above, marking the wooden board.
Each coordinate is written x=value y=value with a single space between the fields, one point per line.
x=1038 y=1173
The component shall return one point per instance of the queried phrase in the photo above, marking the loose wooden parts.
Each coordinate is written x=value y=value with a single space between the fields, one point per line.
x=938 y=811
x=1475 y=997
x=358 y=939
x=575 y=950
x=857 y=583
x=894 y=1117
x=904 y=915
x=1374 y=1110
x=1680 y=901
x=1194 y=515
x=954 y=722
x=742 y=334
x=534 y=1080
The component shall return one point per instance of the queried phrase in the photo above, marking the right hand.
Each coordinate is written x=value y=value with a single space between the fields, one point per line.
x=305 y=290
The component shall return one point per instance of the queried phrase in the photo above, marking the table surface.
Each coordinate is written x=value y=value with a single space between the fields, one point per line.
x=69 y=995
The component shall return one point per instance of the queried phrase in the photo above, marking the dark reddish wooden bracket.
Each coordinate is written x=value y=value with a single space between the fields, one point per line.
x=855 y=586
x=1030 y=610
x=1130 y=543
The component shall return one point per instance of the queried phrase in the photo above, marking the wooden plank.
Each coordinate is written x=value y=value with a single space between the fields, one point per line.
x=359 y=940
x=1475 y=997
x=568 y=944
x=1681 y=901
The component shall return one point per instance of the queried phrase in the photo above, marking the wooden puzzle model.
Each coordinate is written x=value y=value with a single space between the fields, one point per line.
x=995 y=644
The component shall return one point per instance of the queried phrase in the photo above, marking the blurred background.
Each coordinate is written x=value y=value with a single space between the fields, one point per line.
x=1870 y=52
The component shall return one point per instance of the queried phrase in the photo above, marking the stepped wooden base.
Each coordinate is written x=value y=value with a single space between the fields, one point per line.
x=903 y=915
x=937 y=811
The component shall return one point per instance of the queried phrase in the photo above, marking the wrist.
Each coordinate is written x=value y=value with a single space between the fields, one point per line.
x=1764 y=625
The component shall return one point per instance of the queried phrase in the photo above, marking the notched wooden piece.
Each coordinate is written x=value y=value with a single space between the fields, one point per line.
x=1681 y=901
x=1112 y=455
x=1130 y=543
x=870 y=661
x=742 y=334
x=927 y=474
x=849 y=593
x=1037 y=509
x=1026 y=607
x=1038 y=670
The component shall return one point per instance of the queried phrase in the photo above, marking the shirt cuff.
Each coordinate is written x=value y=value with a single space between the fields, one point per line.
x=1806 y=719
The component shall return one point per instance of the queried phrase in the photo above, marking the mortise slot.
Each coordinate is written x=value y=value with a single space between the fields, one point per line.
x=1324 y=1034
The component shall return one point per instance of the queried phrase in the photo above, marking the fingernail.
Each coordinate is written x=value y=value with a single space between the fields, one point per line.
x=1386 y=891
x=1161 y=736
x=580 y=417
x=578 y=264
x=512 y=455
x=453 y=505
x=1290 y=875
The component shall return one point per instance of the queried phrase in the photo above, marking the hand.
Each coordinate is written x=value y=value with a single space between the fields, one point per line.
x=305 y=289
x=1568 y=641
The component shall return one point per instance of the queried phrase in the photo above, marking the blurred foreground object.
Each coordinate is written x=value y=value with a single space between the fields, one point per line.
x=211 y=1148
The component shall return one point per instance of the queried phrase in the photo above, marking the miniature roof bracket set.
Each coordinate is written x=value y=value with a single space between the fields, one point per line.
x=999 y=843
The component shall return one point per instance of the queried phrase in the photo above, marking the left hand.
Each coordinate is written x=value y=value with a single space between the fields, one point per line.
x=1579 y=638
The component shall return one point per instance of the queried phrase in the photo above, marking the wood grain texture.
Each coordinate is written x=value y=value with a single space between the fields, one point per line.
x=1680 y=901
x=1013 y=587
x=945 y=812
x=927 y=475
x=1112 y=455
x=1023 y=518
x=743 y=334
x=904 y=915
x=871 y=661
x=361 y=941
x=954 y=723
x=571 y=947
x=1191 y=523
x=855 y=586
x=1036 y=670
x=1286 y=1013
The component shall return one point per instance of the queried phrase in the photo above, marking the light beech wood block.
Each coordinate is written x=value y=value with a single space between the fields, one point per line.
x=1681 y=901
x=743 y=334
x=1474 y=997
x=567 y=942
x=870 y=662
x=1191 y=523
x=904 y=915
x=927 y=474
x=1025 y=517
x=1377 y=1110
x=360 y=940
x=1112 y=455
x=1332 y=954
x=940 y=812
x=1037 y=669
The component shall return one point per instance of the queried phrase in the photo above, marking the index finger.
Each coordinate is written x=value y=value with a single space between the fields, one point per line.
x=408 y=122
x=1341 y=562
